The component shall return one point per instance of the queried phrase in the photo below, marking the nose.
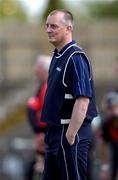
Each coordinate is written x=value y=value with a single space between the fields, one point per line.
x=48 y=28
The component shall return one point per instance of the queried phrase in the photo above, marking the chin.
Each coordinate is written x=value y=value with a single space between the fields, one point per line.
x=52 y=41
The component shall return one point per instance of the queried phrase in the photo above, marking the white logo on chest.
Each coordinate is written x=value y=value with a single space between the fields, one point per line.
x=58 y=69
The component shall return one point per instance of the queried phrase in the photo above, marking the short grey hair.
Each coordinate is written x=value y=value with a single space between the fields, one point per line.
x=68 y=17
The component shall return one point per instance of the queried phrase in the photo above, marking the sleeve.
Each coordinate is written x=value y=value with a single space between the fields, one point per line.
x=32 y=111
x=80 y=76
x=34 y=108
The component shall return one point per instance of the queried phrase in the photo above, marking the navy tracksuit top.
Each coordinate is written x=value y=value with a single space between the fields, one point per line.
x=70 y=76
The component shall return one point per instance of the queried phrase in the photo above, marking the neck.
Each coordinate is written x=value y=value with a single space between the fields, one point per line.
x=62 y=44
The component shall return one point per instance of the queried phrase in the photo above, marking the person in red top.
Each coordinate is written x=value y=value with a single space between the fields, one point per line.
x=109 y=136
x=34 y=109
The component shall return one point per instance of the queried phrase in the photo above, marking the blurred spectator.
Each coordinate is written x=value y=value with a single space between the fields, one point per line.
x=35 y=105
x=93 y=159
x=109 y=137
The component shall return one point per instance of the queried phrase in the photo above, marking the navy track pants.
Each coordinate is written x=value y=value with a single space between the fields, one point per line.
x=62 y=160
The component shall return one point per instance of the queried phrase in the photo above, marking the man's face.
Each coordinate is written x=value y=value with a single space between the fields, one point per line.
x=56 y=29
x=114 y=110
x=111 y=110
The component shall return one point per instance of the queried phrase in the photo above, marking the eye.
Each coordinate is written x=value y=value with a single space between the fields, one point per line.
x=54 y=26
x=51 y=26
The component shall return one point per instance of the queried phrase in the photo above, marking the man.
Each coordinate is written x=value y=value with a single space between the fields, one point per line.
x=69 y=104
x=34 y=109
x=109 y=137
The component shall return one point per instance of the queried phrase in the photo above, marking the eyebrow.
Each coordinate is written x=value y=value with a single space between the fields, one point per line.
x=52 y=24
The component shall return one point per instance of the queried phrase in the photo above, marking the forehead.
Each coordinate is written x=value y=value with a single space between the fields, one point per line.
x=55 y=18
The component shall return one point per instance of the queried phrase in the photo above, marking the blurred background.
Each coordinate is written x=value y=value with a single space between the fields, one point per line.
x=22 y=39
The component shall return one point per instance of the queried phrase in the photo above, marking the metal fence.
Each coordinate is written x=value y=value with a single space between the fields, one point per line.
x=16 y=61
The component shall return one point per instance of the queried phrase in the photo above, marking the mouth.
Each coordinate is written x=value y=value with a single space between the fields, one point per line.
x=50 y=36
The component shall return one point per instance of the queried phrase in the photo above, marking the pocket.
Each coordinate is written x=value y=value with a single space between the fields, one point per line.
x=74 y=144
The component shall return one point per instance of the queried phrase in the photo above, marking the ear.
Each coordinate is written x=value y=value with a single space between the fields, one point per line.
x=69 y=28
